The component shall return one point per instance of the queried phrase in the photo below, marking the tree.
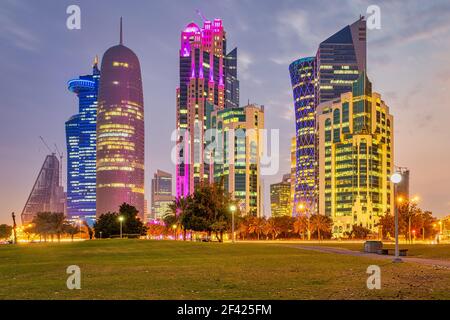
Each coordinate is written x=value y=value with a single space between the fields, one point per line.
x=359 y=232
x=5 y=231
x=321 y=225
x=90 y=231
x=301 y=226
x=49 y=224
x=257 y=226
x=71 y=230
x=108 y=223
x=271 y=227
x=387 y=225
x=243 y=225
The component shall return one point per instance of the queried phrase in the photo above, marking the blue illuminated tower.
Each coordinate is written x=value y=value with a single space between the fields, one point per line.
x=339 y=61
x=81 y=136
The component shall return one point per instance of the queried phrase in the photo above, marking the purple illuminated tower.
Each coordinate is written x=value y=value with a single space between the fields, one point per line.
x=120 y=132
x=208 y=80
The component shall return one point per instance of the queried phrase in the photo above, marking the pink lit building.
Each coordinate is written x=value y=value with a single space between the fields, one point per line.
x=208 y=80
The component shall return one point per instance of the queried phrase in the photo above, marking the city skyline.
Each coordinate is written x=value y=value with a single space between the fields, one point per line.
x=403 y=96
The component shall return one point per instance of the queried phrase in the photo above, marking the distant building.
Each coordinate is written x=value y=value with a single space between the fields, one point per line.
x=47 y=195
x=280 y=197
x=120 y=132
x=162 y=195
x=402 y=188
x=81 y=136
x=356 y=158
x=293 y=173
x=241 y=173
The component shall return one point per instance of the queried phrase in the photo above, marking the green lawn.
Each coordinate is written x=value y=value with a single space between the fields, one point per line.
x=138 y=269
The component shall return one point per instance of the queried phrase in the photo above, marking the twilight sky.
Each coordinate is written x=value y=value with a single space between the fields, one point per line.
x=408 y=63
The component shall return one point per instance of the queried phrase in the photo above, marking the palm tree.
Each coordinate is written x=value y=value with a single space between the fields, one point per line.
x=257 y=226
x=271 y=227
x=301 y=226
x=244 y=227
x=321 y=223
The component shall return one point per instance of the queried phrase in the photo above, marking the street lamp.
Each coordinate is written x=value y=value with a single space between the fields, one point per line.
x=302 y=208
x=174 y=228
x=396 y=178
x=233 y=210
x=121 y=218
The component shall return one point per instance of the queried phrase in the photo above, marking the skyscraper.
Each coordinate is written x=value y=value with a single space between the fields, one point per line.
x=162 y=195
x=208 y=80
x=280 y=197
x=356 y=158
x=81 y=136
x=238 y=159
x=120 y=131
x=339 y=61
x=47 y=195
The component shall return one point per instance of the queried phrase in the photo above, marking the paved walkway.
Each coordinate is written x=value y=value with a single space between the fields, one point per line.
x=431 y=262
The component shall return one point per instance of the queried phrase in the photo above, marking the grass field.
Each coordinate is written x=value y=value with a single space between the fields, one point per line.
x=138 y=269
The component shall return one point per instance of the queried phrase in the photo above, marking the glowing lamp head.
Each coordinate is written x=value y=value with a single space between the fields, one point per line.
x=233 y=208
x=121 y=218
x=174 y=226
x=301 y=207
x=396 y=178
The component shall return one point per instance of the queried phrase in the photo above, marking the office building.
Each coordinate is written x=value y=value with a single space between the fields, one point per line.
x=120 y=132
x=162 y=196
x=81 y=136
x=356 y=158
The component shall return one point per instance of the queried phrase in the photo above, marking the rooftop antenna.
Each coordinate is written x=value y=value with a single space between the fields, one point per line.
x=201 y=15
x=121 y=32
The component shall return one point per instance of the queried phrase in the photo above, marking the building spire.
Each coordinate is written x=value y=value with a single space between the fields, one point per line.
x=121 y=32
x=95 y=61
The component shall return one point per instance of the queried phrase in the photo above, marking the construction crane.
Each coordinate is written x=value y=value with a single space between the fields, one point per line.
x=201 y=15
x=45 y=144
x=60 y=154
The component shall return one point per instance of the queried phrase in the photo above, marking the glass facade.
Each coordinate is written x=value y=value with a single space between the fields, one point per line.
x=208 y=80
x=81 y=136
x=161 y=195
x=356 y=158
x=339 y=61
x=120 y=132
x=47 y=195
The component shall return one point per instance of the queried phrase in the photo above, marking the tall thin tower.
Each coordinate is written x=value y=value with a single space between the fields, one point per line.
x=120 y=131
x=208 y=80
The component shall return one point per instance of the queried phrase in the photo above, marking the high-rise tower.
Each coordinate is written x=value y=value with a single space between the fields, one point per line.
x=208 y=80
x=339 y=61
x=356 y=158
x=120 y=131
x=81 y=136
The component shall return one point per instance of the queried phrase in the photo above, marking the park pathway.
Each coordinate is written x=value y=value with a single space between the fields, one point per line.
x=431 y=262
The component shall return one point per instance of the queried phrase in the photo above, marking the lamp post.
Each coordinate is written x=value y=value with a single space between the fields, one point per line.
x=233 y=210
x=396 y=178
x=121 y=218
x=302 y=208
x=174 y=228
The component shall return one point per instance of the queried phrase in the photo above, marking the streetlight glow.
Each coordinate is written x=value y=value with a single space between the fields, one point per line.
x=396 y=178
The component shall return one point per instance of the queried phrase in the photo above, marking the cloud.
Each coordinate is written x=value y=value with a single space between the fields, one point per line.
x=14 y=33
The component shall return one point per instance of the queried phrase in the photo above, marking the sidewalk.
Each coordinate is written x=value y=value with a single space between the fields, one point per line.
x=432 y=262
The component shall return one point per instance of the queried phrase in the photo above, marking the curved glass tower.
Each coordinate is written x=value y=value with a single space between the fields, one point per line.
x=120 y=132
x=81 y=138
x=303 y=76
